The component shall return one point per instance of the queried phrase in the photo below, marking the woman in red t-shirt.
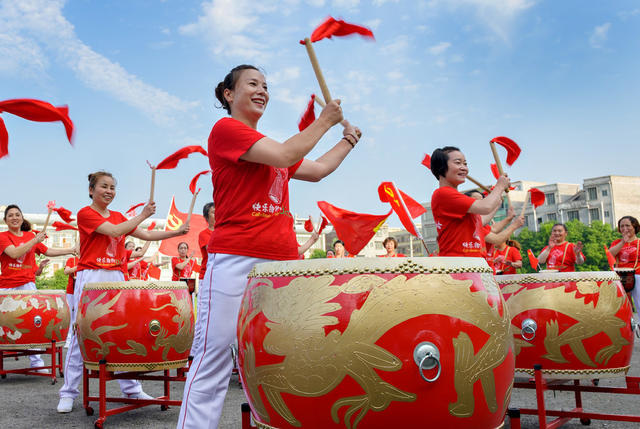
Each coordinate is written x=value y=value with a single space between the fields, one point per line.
x=559 y=254
x=626 y=250
x=458 y=216
x=391 y=244
x=103 y=259
x=250 y=176
x=182 y=266
x=507 y=258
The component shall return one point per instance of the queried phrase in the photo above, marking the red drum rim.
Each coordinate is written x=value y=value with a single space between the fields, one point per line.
x=134 y=285
x=419 y=265
x=575 y=276
x=33 y=292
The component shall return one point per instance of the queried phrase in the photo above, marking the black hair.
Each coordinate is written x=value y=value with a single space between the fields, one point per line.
x=205 y=210
x=338 y=241
x=93 y=180
x=388 y=239
x=439 y=160
x=229 y=83
x=26 y=225
x=562 y=225
x=185 y=243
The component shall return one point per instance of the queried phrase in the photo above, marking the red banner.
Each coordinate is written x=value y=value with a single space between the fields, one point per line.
x=610 y=258
x=175 y=219
x=533 y=261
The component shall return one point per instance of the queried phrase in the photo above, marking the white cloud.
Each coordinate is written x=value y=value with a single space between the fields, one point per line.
x=440 y=48
x=599 y=35
x=284 y=77
x=381 y=2
x=36 y=23
x=373 y=24
x=20 y=56
x=346 y=4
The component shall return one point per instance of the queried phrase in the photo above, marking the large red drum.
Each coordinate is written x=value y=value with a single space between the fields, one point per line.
x=375 y=343
x=575 y=324
x=32 y=319
x=135 y=325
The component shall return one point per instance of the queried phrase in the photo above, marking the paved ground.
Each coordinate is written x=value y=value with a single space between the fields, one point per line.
x=29 y=402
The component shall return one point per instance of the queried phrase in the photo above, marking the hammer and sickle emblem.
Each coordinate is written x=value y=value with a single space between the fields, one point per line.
x=389 y=192
x=174 y=222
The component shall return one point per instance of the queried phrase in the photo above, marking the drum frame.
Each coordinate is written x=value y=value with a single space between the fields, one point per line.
x=54 y=350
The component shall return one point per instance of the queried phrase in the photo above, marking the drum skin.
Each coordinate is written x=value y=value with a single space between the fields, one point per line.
x=135 y=325
x=329 y=343
x=583 y=323
x=32 y=318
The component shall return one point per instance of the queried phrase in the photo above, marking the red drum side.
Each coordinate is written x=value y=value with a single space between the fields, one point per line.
x=338 y=343
x=32 y=318
x=574 y=324
x=135 y=325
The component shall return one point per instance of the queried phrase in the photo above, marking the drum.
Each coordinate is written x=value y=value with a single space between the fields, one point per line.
x=191 y=284
x=374 y=342
x=135 y=325
x=575 y=324
x=32 y=319
x=627 y=278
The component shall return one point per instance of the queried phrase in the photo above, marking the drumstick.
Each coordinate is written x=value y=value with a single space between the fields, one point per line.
x=524 y=205
x=193 y=202
x=153 y=182
x=500 y=170
x=343 y=122
x=316 y=68
x=480 y=185
x=46 y=222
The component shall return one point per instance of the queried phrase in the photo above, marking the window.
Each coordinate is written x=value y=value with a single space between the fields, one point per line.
x=606 y=213
x=539 y=220
x=593 y=193
x=550 y=198
x=526 y=221
x=551 y=216
x=573 y=214
x=605 y=192
x=594 y=214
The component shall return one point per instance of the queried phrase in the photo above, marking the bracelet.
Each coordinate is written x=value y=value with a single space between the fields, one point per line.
x=348 y=141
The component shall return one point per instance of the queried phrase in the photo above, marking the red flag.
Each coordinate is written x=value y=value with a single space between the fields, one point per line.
x=154 y=272
x=427 y=161
x=405 y=207
x=537 y=197
x=323 y=224
x=172 y=160
x=308 y=226
x=337 y=27
x=308 y=116
x=513 y=150
x=494 y=171
x=150 y=227
x=65 y=214
x=533 y=261
x=196 y=268
x=4 y=140
x=610 y=258
x=132 y=209
x=194 y=181
x=60 y=226
x=175 y=219
x=355 y=229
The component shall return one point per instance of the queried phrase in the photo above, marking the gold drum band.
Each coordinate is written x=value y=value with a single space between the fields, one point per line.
x=574 y=324
x=135 y=325
x=32 y=318
x=374 y=342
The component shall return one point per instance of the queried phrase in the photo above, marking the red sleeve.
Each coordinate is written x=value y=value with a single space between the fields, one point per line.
x=515 y=254
x=70 y=263
x=203 y=241
x=174 y=262
x=127 y=257
x=453 y=203
x=89 y=220
x=4 y=242
x=41 y=249
x=231 y=139
x=612 y=244
x=294 y=168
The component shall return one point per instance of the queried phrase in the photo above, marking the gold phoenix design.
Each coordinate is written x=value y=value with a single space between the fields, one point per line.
x=591 y=319
x=316 y=363
x=21 y=306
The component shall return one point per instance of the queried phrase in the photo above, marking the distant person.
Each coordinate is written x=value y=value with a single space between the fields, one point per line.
x=559 y=254
x=390 y=244
x=182 y=265
x=507 y=258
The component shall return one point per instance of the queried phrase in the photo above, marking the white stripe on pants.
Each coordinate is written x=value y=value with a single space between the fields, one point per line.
x=73 y=362
x=219 y=300
x=36 y=360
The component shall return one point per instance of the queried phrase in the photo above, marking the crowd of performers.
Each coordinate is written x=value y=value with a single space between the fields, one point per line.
x=236 y=238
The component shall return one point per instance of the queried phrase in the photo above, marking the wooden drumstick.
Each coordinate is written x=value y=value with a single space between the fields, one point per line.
x=499 y=165
x=343 y=122
x=316 y=68
x=153 y=183
x=46 y=222
x=524 y=204
x=193 y=203
x=480 y=185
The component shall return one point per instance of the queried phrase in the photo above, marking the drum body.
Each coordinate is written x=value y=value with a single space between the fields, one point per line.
x=374 y=343
x=575 y=324
x=627 y=278
x=32 y=318
x=135 y=325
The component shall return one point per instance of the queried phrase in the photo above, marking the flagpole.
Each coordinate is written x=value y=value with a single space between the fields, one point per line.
x=316 y=68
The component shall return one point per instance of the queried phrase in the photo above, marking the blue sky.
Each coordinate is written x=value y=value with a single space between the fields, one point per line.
x=561 y=78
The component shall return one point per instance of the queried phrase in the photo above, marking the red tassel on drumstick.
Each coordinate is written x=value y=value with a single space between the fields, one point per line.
x=192 y=188
x=61 y=226
x=537 y=199
x=171 y=162
x=513 y=152
x=426 y=161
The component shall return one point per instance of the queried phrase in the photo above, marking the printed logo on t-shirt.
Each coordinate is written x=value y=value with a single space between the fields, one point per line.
x=20 y=260
x=112 y=248
x=276 y=191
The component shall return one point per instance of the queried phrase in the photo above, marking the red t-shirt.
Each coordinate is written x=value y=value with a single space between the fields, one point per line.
x=71 y=262
x=508 y=254
x=397 y=255
x=203 y=242
x=99 y=251
x=459 y=232
x=251 y=199
x=139 y=271
x=16 y=272
x=628 y=255
x=183 y=273
x=562 y=257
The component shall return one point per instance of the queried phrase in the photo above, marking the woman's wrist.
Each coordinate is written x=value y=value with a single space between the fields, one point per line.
x=353 y=145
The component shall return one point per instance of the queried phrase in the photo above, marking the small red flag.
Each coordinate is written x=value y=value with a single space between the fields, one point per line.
x=4 y=140
x=537 y=197
x=172 y=160
x=175 y=219
x=513 y=150
x=60 y=226
x=323 y=224
x=610 y=258
x=337 y=27
x=308 y=226
x=494 y=171
x=132 y=209
x=194 y=181
x=533 y=261
x=355 y=229
x=65 y=214
x=308 y=116
x=154 y=272
x=427 y=161
x=405 y=207
x=153 y=225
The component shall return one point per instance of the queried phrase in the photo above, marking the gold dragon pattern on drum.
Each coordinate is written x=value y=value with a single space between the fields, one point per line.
x=316 y=363
x=12 y=311
x=591 y=319
x=180 y=341
x=93 y=312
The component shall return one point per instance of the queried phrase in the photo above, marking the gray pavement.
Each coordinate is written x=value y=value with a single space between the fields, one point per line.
x=29 y=402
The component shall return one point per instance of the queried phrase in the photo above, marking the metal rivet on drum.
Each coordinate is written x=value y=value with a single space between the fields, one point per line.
x=154 y=327
x=37 y=321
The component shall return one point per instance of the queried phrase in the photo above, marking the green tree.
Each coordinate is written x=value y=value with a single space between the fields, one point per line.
x=318 y=253
x=57 y=281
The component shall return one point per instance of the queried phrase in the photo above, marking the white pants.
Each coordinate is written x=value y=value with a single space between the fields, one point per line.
x=36 y=360
x=72 y=316
x=73 y=363
x=219 y=300
x=635 y=295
